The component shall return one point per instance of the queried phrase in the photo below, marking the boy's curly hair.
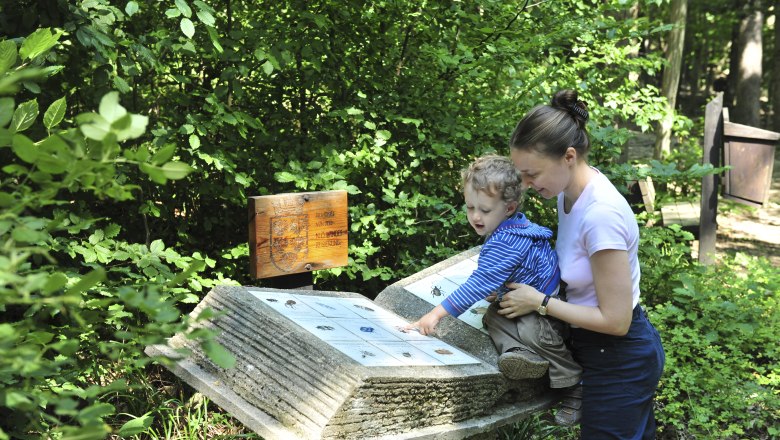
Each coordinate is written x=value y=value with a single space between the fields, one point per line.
x=495 y=175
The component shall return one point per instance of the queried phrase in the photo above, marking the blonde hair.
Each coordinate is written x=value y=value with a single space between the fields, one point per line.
x=496 y=176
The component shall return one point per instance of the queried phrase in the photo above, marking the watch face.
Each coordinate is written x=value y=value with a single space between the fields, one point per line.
x=542 y=310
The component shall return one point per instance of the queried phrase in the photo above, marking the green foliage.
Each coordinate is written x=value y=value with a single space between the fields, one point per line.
x=720 y=328
x=114 y=223
x=78 y=302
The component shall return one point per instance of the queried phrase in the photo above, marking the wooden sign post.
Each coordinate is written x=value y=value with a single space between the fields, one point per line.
x=291 y=235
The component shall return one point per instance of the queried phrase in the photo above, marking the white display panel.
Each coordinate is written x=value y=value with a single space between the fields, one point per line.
x=434 y=288
x=362 y=330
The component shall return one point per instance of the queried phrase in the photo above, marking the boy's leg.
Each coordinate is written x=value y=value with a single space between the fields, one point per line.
x=515 y=361
x=544 y=336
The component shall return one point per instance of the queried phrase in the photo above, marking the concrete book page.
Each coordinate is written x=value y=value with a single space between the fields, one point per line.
x=362 y=330
x=435 y=287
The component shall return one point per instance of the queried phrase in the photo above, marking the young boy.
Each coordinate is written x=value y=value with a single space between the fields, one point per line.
x=515 y=250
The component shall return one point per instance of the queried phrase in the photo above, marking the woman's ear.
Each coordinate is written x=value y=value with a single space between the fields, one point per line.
x=570 y=156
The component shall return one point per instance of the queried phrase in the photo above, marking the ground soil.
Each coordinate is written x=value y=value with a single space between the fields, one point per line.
x=750 y=230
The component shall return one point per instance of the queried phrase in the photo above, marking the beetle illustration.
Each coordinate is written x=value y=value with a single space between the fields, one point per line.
x=272 y=300
x=407 y=354
x=364 y=307
x=479 y=310
x=324 y=327
x=366 y=353
x=367 y=329
x=436 y=291
x=442 y=351
x=290 y=303
x=326 y=306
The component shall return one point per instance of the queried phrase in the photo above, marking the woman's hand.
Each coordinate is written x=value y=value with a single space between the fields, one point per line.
x=522 y=300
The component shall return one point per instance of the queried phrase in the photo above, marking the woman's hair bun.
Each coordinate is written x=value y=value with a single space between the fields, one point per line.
x=568 y=101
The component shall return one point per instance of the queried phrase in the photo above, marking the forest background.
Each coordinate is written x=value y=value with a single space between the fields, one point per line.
x=132 y=133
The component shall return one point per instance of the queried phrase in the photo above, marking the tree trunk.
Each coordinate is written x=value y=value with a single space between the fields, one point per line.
x=775 y=96
x=748 y=92
x=671 y=77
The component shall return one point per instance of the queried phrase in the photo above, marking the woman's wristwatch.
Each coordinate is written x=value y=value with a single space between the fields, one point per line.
x=542 y=309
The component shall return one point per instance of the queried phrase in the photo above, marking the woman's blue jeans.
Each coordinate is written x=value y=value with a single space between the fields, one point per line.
x=620 y=376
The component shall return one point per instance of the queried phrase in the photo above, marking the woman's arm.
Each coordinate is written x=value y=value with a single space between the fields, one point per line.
x=612 y=280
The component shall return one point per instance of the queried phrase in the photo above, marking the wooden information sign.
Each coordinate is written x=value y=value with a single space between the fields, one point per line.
x=297 y=233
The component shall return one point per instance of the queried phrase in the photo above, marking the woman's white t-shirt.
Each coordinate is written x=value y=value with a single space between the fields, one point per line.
x=600 y=219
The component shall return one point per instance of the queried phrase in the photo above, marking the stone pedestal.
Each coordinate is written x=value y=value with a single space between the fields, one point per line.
x=289 y=382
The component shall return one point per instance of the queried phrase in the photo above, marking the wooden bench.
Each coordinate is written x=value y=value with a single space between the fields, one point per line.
x=685 y=213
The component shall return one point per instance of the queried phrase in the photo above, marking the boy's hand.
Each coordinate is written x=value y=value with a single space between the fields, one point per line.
x=492 y=297
x=427 y=324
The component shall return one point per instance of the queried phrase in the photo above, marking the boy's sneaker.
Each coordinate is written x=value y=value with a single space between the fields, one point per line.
x=570 y=407
x=522 y=363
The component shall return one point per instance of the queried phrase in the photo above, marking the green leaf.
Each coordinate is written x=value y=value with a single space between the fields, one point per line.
x=6 y=110
x=284 y=177
x=184 y=8
x=176 y=170
x=205 y=17
x=187 y=27
x=131 y=8
x=54 y=113
x=93 y=126
x=38 y=42
x=24 y=148
x=7 y=55
x=5 y=137
x=87 y=281
x=95 y=412
x=110 y=109
x=194 y=141
x=55 y=282
x=164 y=154
x=155 y=173
x=181 y=277
x=137 y=128
x=6 y=200
x=24 y=115
x=40 y=337
x=121 y=84
x=156 y=246
x=214 y=39
x=136 y=426
x=219 y=354
x=268 y=68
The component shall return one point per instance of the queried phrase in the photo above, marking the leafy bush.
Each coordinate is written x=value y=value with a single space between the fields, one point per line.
x=720 y=329
x=78 y=303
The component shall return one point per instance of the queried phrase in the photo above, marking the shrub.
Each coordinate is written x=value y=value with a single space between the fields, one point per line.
x=720 y=330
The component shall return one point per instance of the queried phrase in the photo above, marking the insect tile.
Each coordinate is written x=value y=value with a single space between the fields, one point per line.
x=366 y=308
x=396 y=327
x=473 y=316
x=332 y=307
x=285 y=303
x=443 y=352
x=460 y=272
x=367 y=354
x=367 y=330
x=327 y=330
x=433 y=288
x=407 y=353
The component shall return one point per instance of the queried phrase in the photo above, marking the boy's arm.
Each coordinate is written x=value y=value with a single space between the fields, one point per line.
x=498 y=259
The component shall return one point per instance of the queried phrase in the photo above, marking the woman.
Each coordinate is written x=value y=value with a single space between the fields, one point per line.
x=597 y=244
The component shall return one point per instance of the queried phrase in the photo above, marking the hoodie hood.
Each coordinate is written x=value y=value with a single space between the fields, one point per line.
x=519 y=225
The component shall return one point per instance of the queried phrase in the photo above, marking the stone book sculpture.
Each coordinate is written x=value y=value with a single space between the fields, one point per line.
x=326 y=365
